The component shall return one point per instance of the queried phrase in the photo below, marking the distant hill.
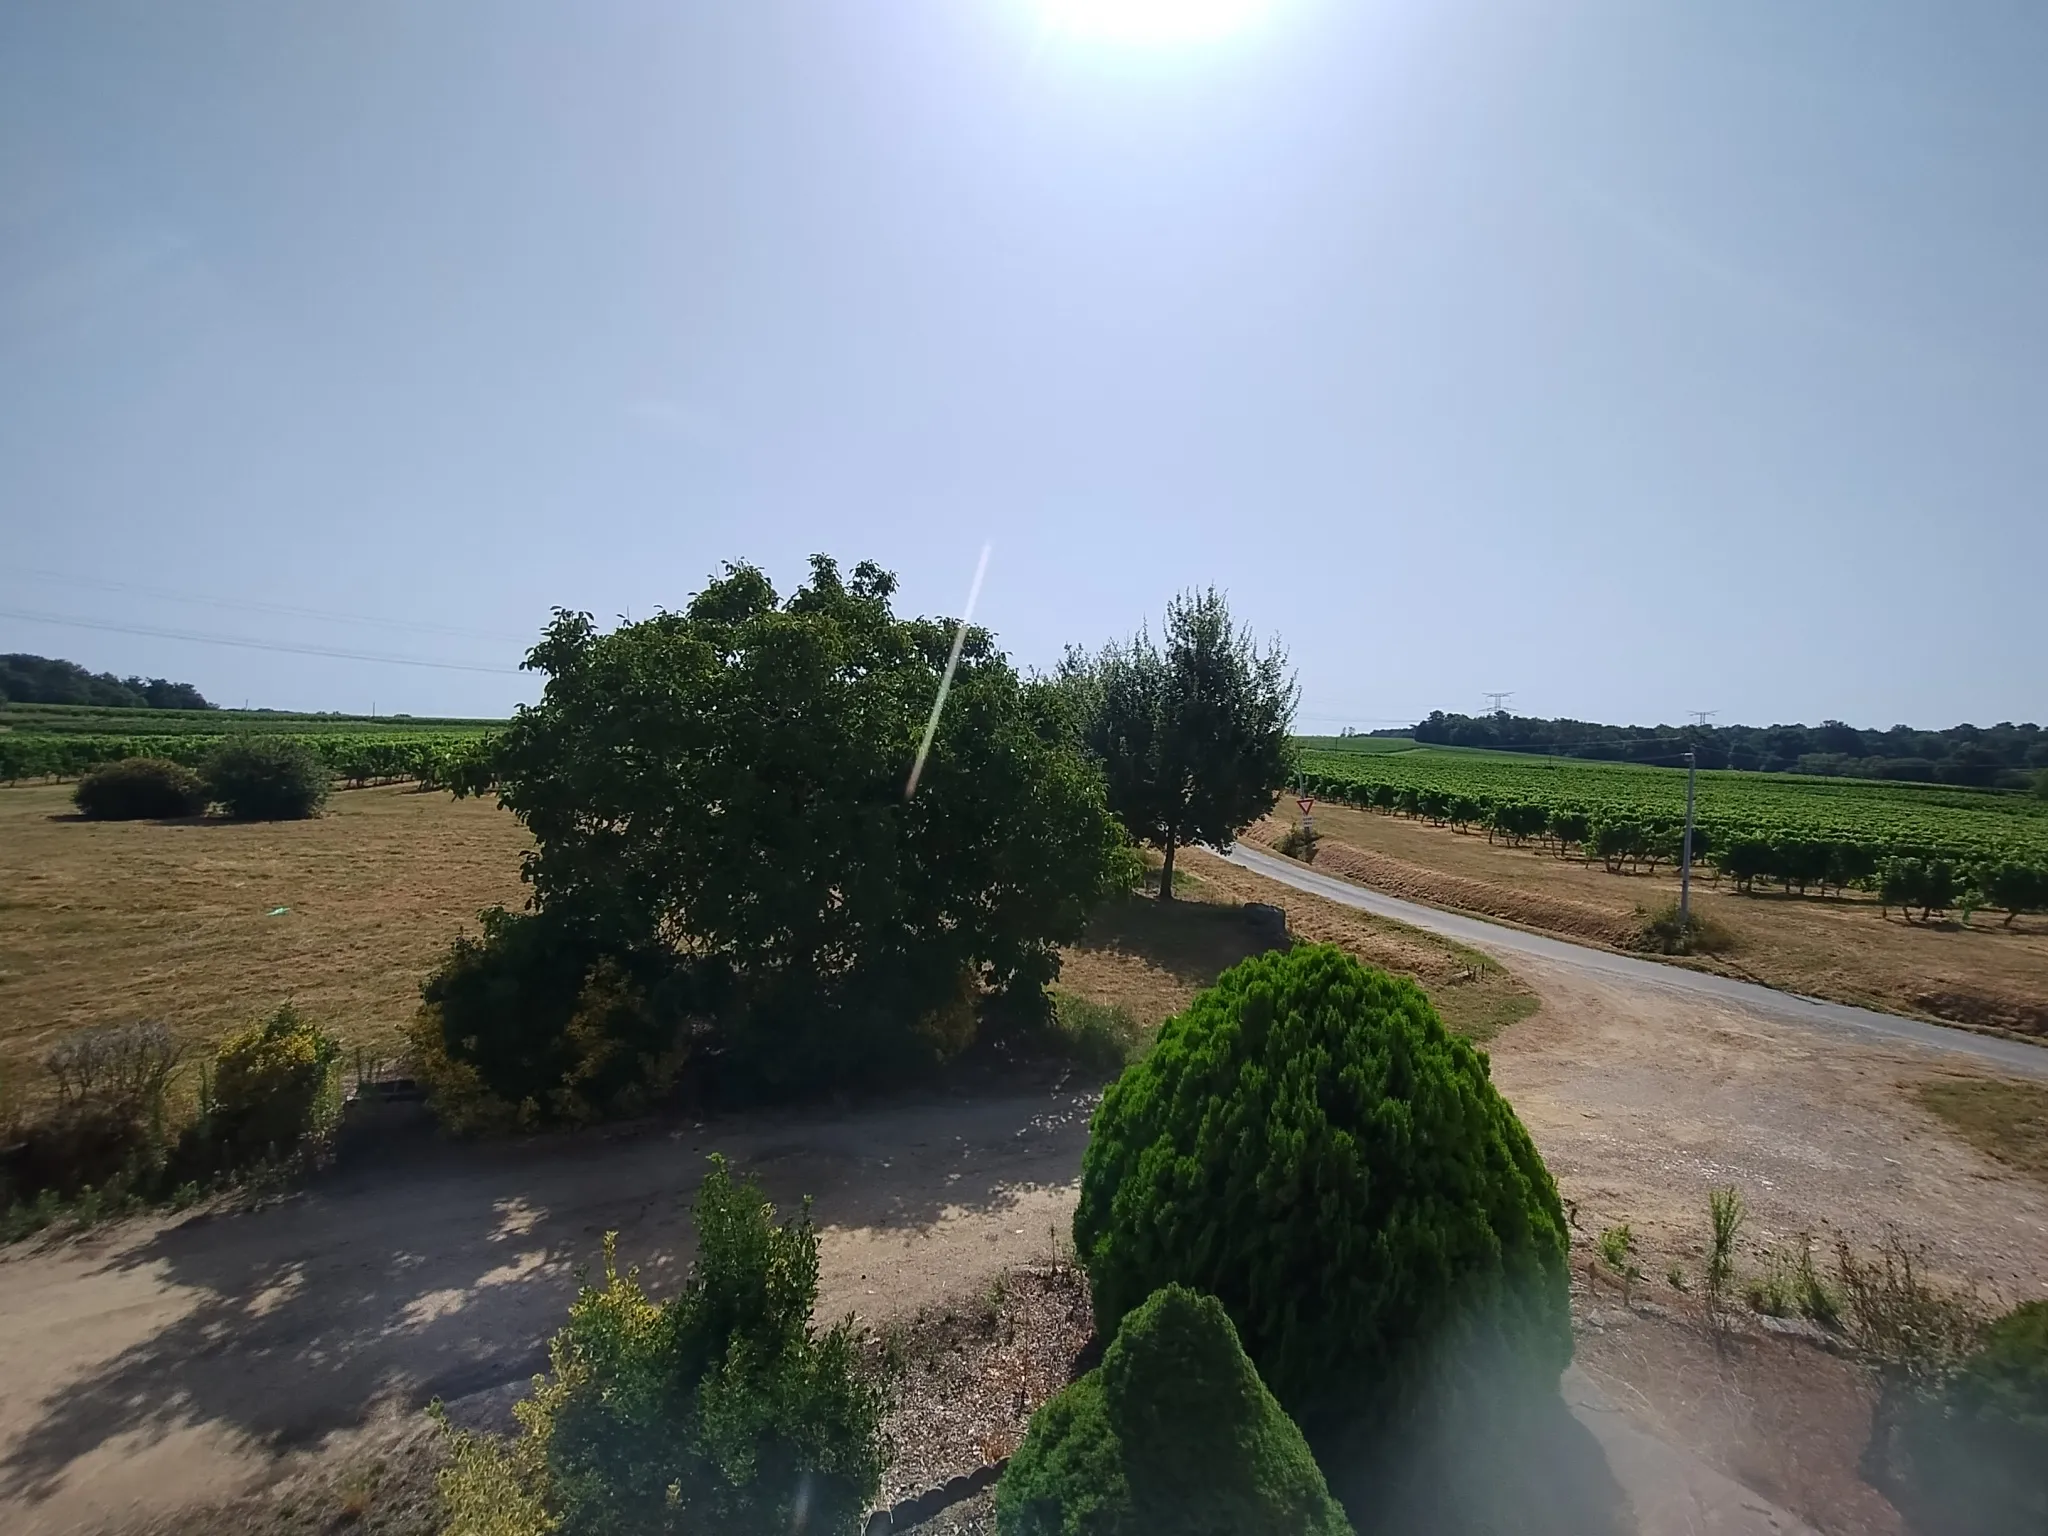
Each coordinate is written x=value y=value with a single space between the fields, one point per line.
x=2003 y=755
x=44 y=680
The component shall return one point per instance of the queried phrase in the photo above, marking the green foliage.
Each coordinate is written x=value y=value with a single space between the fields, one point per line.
x=140 y=788
x=720 y=1409
x=1172 y=1435
x=68 y=742
x=266 y=778
x=727 y=784
x=1799 y=832
x=534 y=1024
x=1976 y=1448
x=1193 y=738
x=1929 y=884
x=275 y=1089
x=1309 y=1143
x=28 y=679
x=1724 y=1220
x=1099 y=1036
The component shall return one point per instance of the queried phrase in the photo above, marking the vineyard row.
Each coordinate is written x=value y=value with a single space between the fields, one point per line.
x=1742 y=848
x=439 y=760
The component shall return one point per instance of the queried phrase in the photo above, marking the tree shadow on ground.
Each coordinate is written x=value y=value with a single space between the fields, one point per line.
x=430 y=1269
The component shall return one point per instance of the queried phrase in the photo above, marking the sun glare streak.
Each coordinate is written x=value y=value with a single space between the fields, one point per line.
x=931 y=726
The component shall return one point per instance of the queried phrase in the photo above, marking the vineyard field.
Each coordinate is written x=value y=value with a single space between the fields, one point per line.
x=66 y=741
x=1750 y=825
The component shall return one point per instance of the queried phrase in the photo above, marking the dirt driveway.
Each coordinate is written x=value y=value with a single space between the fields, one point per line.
x=161 y=1363
x=164 y=1363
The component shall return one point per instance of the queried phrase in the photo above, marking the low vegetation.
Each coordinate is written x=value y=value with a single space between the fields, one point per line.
x=1172 y=1434
x=1663 y=931
x=141 y=789
x=266 y=778
x=1270 y=1151
x=2001 y=1118
x=720 y=1409
x=113 y=1135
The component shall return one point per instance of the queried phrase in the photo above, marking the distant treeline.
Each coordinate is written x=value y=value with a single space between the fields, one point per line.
x=1993 y=755
x=43 y=680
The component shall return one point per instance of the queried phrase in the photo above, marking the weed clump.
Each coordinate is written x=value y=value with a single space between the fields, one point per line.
x=1662 y=932
x=1102 y=1037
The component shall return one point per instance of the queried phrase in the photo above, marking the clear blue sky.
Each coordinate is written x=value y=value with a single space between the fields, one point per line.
x=1633 y=357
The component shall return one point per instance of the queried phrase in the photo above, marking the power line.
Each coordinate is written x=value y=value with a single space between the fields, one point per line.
x=247 y=605
x=252 y=645
x=1498 y=702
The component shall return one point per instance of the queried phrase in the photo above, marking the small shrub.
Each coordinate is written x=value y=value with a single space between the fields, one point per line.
x=1099 y=1036
x=106 y=1129
x=1675 y=1277
x=720 y=1409
x=1617 y=1249
x=266 y=778
x=1724 y=1220
x=1309 y=1144
x=276 y=1089
x=532 y=1024
x=1976 y=1448
x=1173 y=1434
x=1299 y=842
x=1912 y=1328
x=1660 y=932
x=140 y=789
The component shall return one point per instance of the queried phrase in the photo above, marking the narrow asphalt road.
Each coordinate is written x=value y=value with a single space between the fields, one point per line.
x=1842 y=1018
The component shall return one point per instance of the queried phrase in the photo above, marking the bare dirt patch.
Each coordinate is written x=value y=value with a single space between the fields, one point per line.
x=1984 y=975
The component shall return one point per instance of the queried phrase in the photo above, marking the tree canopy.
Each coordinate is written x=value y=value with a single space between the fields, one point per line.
x=1194 y=735
x=26 y=679
x=727 y=785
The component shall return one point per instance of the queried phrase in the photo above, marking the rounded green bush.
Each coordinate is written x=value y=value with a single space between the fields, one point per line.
x=275 y=1087
x=1309 y=1144
x=1978 y=1449
x=139 y=789
x=1172 y=1435
x=267 y=778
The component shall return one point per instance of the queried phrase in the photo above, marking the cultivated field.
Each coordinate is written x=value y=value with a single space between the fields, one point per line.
x=1840 y=945
x=62 y=741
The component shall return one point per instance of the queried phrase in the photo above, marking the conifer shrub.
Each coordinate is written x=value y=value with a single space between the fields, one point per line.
x=1172 y=1435
x=1309 y=1144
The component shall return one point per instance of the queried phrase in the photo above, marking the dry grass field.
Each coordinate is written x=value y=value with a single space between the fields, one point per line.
x=102 y=922
x=1985 y=975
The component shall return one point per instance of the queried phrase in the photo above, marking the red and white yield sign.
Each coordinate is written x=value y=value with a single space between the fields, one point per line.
x=1307 y=805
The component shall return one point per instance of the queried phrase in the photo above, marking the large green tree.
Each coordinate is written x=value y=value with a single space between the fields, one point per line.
x=1193 y=735
x=727 y=785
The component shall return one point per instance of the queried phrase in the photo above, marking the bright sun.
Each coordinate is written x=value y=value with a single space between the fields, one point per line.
x=1149 y=21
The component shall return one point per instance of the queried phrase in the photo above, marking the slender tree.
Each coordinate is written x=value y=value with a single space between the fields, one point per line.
x=1194 y=735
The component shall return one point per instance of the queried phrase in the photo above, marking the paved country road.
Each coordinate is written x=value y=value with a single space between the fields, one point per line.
x=1990 y=1050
